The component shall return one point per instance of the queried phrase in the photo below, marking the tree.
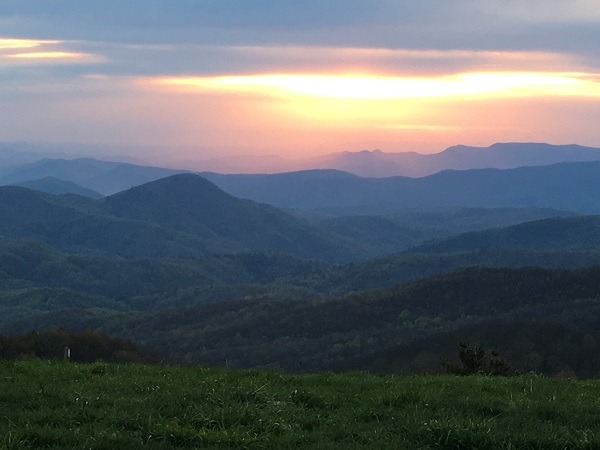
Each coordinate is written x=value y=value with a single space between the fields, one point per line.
x=475 y=359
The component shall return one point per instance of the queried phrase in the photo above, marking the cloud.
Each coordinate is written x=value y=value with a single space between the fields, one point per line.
x=363 y=87
x=11 y=43
x=548 y=11
x=15 y=51
x=425 y=24
x=68 y=66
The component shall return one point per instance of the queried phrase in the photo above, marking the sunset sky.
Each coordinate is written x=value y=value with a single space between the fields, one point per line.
x=197 y=79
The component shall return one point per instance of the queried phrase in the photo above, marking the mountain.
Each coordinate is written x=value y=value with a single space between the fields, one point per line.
x=461 y=157
x=56 y=186
x=566 y=186
x=188 y=203
x=378 y=164
x=512 y=155
x=187 y=216
x=110 y=177
x=182 y=215
x=256 y=310
x=101 y=176
x=75 y=223
x=18 y=164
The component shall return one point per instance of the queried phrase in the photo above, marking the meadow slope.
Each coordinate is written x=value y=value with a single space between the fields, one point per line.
x=56 y=404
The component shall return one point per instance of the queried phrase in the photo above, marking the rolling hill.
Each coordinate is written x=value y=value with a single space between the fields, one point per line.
x=188 y=203
x=316 y=335
x=398 y=231
x=551 y=234
x=181 y=215
x=566 y=186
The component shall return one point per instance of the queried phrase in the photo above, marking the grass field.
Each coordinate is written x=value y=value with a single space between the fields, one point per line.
x=61 y=405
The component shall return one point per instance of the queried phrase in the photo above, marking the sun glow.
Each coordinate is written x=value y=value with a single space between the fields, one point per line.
x=8 y=43
x=372 y=87
x=49 y=55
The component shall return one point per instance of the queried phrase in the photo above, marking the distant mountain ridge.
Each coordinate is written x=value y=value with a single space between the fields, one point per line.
x=380 y=164
x=571 y=186
x=105 y=177
x=110 y=177
x=565 y=185
x=56 y=186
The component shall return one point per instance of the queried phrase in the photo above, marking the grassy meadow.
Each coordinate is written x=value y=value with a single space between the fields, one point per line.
x=65 y=405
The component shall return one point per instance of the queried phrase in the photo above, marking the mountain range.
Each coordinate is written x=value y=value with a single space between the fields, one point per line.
x=105 y=177
x=272 y=309
x=361 y=273
x=378 y=164
x=110 y=177
x=567 y=186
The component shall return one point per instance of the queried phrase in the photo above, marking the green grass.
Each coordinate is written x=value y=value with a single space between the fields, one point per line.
x=60 y=405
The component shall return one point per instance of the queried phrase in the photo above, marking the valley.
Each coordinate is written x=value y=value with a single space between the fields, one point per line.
x=186 y=270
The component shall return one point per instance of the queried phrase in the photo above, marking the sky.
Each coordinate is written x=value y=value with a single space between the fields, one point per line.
x=188 y=80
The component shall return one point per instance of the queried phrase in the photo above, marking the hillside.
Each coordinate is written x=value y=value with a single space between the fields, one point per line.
x=26 y=265
x=181 y=267
x=548 y=347
x=183 y=215
x=32 y=214
x=273 y=310
x=392 y=232
x=323 y=334
x=551 y=234
x=133 y=405
x=191 y=204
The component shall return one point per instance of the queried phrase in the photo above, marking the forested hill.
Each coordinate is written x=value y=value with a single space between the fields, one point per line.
x=316 y=335
x=182 y=215
x=257 y=310
x=551 y=234
x=191 y=204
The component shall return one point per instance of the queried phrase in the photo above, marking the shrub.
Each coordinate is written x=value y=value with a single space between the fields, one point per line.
x=475 y=359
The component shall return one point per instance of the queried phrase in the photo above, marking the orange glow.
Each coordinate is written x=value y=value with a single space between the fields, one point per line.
x=7 y=43
x=377 y=105
x=49 y=55
x=373 y=87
